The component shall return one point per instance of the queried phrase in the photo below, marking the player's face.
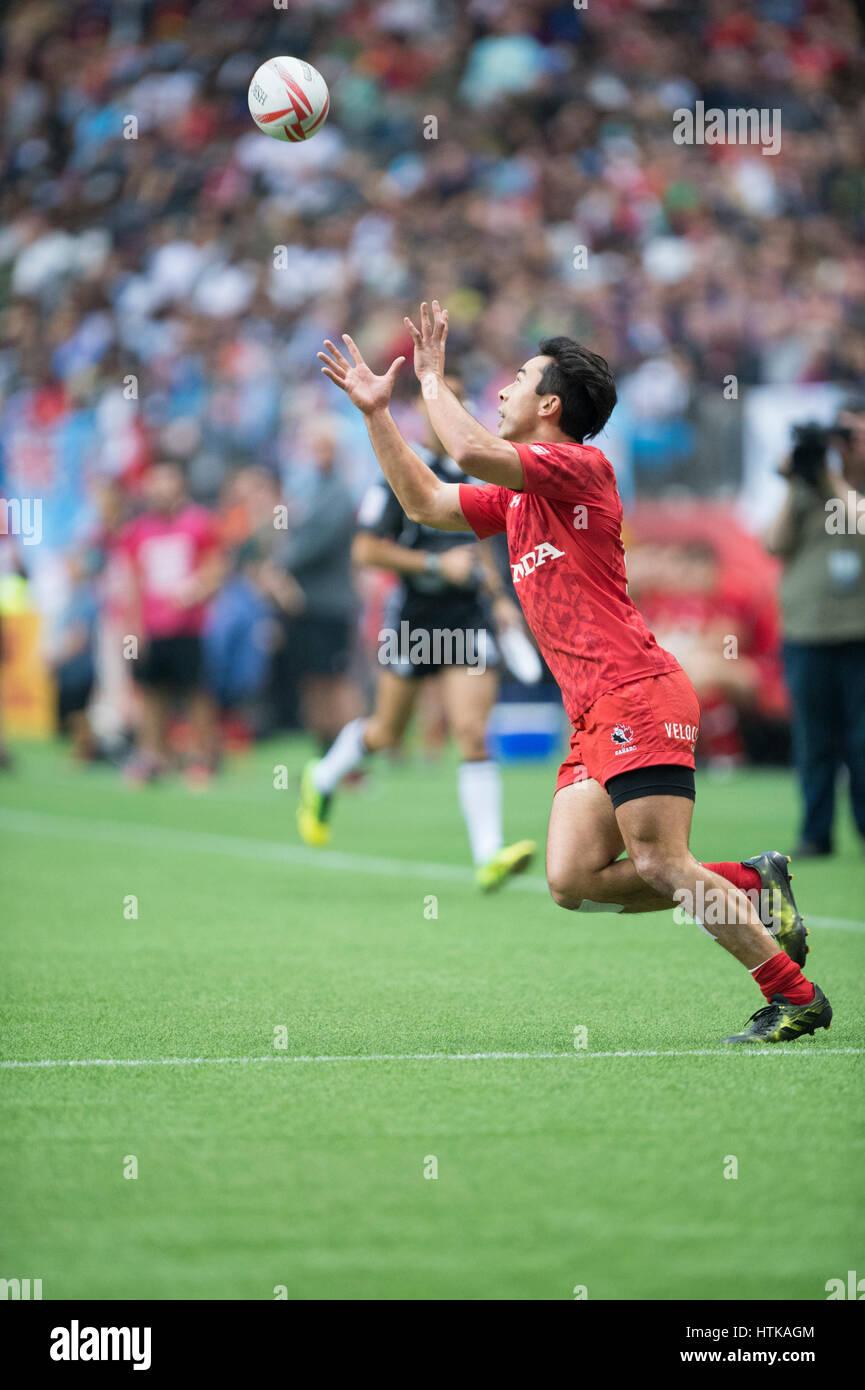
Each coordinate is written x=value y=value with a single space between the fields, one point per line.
x=520 y=403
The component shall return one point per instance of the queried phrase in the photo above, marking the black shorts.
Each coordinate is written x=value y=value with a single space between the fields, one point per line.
x=423 y=636
x=170 y=663
x=662 y=779
x=319 y=646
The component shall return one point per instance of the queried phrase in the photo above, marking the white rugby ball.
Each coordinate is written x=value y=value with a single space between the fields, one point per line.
x=288 y=99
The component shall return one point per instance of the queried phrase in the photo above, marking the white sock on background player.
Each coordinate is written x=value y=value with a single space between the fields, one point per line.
x=343 y=755
x=480 y=792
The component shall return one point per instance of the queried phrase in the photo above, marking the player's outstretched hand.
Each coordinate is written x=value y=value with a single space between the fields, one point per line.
x=363 y=388
x=429 y=340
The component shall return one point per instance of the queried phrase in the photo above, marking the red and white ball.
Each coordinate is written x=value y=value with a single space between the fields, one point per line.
x=288 y=99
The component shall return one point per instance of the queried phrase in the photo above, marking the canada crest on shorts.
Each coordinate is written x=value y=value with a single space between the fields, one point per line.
x=622 y=733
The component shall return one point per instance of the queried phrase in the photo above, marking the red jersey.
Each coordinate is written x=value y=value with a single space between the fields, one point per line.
x=568 y=563
x=165 y=552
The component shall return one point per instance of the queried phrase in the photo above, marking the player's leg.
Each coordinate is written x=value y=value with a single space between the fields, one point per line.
x=469 y=696
x=586 y=874
x=150 y=757
x=432 y=725
x=584 y=842
x=851 y=678
x=655 y=830
x=201 y=710
x=817 y=739
x=327 y=703
x=204 y=722
x=395 y=698
x=153 y=685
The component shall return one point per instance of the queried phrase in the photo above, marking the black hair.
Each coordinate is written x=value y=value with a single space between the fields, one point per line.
x=584 y=384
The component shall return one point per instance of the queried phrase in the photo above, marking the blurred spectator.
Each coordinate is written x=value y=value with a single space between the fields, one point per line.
x=177 y=566
x=316 y=554
x=678 y=590
x=10 y=576
x=74 y=659
x=165 y=266
x=166 y=270
x=819 y=535
x=242 y=630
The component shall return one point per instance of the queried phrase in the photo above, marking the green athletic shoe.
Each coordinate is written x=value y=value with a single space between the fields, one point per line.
x=780 y=914
x=513 y=859
x=782 y=1021
x=313 y=809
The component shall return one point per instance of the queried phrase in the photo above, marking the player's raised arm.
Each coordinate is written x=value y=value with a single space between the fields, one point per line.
x=475 y=449
x=421 y=495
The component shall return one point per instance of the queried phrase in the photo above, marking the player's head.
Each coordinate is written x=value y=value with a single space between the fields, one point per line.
x=165 y=487
x=566 y=391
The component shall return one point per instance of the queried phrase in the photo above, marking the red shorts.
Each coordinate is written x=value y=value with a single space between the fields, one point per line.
x=650 y=721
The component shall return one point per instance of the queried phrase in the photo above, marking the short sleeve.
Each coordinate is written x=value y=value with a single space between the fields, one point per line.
x=380 y=513
x=485 y=508
x=565 y=472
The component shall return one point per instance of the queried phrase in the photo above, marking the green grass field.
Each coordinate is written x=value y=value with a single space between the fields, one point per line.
x=303 y=1165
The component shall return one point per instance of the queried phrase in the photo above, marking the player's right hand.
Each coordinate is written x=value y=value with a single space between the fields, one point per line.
x=457 y=565
x=363 y=388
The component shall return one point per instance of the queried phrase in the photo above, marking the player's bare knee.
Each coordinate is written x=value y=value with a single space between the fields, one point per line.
x=378 y=736
x=656 y=867
x=567 y=887
x=565 y=895
x=472 y=744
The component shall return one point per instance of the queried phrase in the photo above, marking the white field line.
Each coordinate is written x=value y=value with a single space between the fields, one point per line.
x=238 y=846
x=137 y=835
x=574 y=1056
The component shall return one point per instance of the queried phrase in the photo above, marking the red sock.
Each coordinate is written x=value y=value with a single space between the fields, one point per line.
x=780 y=975
x=741 y=876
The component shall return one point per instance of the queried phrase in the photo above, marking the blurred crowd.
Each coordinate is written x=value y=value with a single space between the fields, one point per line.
x=167 y=273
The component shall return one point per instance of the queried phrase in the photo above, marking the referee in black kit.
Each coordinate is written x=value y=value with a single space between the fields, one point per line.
x=437 y=623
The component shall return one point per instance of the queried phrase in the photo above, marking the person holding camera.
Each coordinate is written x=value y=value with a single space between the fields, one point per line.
x=819 y=535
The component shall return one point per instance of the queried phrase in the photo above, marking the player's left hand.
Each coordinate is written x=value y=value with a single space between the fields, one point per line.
x=363 y=388
x=429 y=340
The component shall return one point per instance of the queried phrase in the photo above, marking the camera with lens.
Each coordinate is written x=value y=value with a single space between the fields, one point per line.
x=811 y=443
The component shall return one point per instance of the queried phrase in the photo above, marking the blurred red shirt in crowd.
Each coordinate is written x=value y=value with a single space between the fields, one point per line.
x=167 y=547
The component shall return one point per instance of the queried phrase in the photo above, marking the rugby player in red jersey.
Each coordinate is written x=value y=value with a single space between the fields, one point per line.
x=628 y=782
